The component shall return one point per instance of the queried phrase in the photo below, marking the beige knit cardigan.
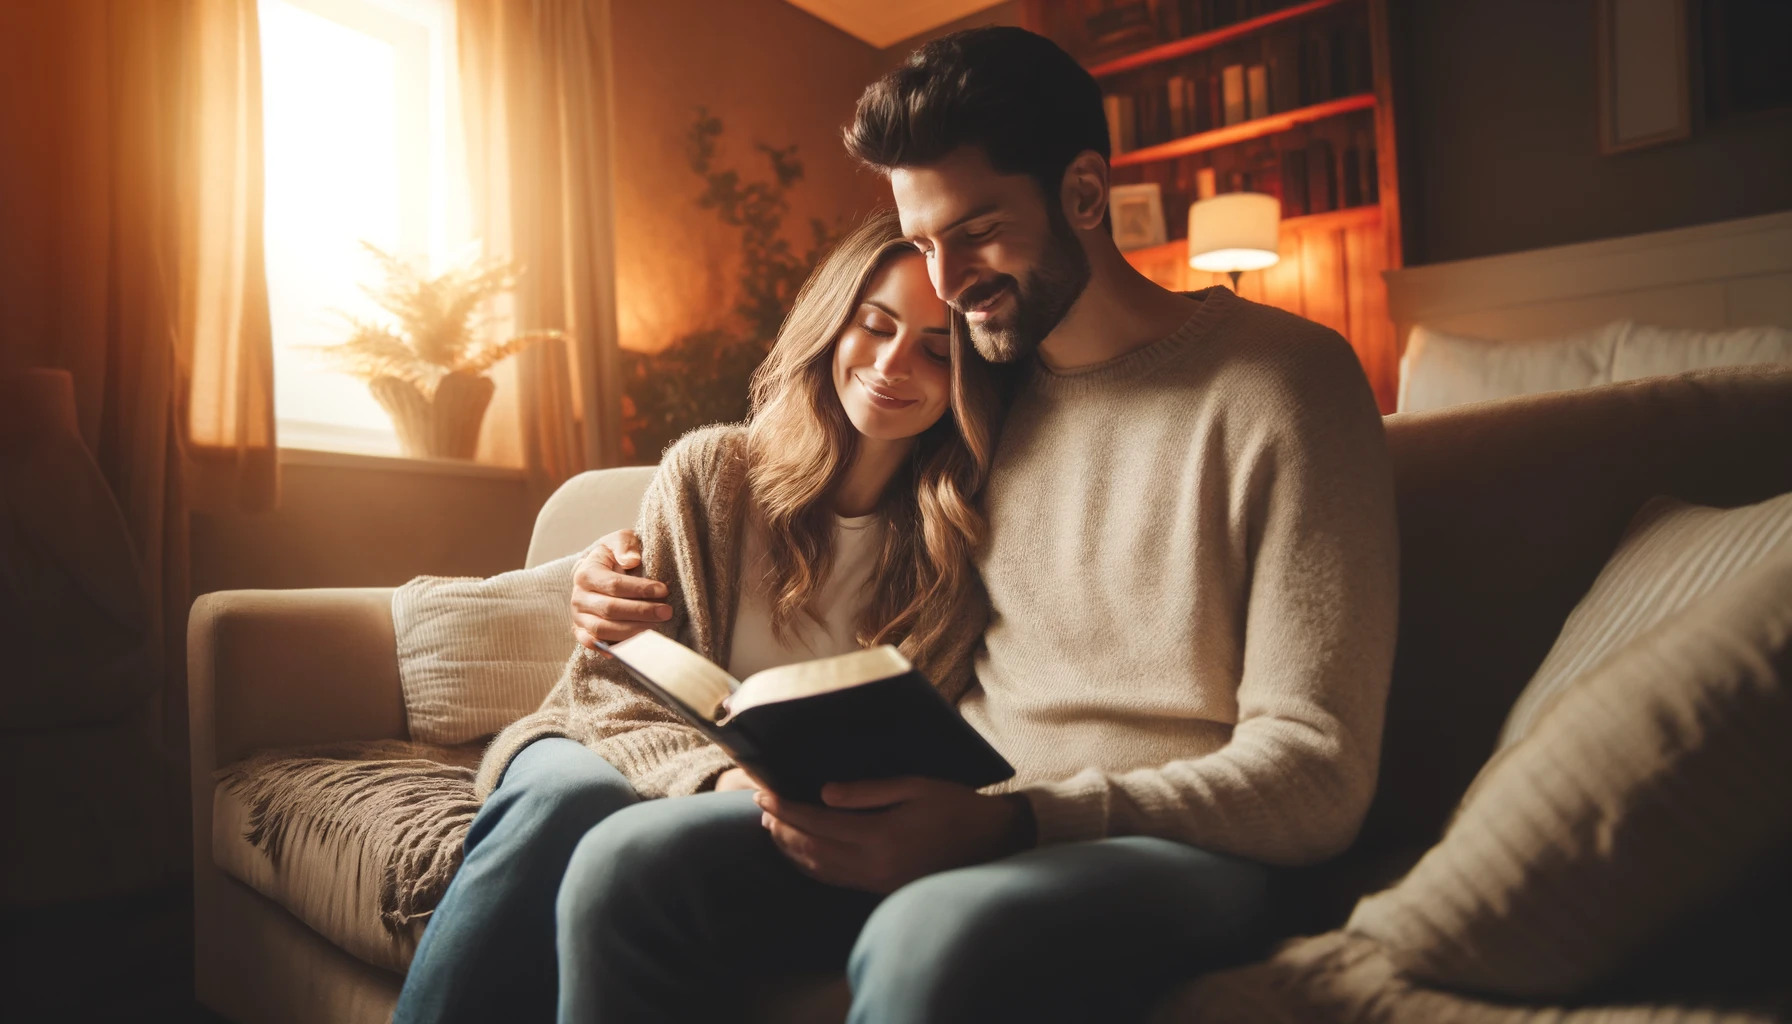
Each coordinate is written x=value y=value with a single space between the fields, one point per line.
x=408 y=805
x=691 y=525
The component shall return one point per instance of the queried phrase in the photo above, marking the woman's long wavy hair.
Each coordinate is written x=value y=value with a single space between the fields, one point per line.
x=800 y=445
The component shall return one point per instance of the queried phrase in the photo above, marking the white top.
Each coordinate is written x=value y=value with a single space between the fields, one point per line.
x=842 y=597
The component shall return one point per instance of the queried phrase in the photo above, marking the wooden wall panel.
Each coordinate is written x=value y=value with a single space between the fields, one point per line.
x=1330 y=273
x=1371 y=329
x=1322 y=284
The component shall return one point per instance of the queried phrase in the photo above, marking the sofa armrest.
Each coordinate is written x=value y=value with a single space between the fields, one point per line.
x=281 y=668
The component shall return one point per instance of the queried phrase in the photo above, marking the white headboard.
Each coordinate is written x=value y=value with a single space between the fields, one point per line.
x=1735 y=273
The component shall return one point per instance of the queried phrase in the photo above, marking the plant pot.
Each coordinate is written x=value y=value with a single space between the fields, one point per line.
x=442 y=426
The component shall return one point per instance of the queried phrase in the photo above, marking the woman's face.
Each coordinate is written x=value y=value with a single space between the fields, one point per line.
x=893 y=362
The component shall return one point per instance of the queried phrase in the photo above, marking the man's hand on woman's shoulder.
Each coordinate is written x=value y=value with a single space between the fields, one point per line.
x=609 y=604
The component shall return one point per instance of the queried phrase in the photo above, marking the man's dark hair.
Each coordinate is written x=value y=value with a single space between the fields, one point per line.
x=1017 y=96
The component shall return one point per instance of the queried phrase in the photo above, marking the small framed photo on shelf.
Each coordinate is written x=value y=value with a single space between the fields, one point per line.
x=1138 y=215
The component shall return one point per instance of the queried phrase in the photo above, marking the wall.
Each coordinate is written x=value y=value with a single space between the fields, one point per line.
x=773 y=74
x=1498 y=116
x=365 y=523
x=1007 y=13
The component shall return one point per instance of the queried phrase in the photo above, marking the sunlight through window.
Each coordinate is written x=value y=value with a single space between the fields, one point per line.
x=356 y=98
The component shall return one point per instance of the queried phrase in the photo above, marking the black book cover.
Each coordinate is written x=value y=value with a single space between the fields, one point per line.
x=885 y=728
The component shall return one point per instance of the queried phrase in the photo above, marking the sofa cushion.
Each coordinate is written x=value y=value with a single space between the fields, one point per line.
x=357 y=840
x=1508 y=512
x=475 y=655
x=1673 y=553
x=1647 y=351
x=1653 y=788
x=1340 y=976
x=1443 y=369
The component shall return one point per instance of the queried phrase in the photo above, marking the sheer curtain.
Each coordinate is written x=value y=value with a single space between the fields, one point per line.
x=223 y=340
x=535 y=95
x=131 y=258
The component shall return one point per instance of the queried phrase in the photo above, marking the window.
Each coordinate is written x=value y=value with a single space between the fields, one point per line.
x=359 y=129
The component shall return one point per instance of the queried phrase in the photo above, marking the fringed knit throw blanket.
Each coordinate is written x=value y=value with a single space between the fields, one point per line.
x=408 y=805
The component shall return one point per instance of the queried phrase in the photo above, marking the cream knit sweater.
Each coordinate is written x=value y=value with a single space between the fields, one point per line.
x=1192 y=575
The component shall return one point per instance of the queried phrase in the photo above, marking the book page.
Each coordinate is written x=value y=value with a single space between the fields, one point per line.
x=678 y=670
x=787 y=682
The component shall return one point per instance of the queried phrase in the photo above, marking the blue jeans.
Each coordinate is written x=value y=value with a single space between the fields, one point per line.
x=488 y=952
x=667 y=906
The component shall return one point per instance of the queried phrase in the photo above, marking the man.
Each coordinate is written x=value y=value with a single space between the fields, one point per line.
x=1191 y=565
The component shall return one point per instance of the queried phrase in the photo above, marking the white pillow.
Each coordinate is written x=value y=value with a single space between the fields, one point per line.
x=1647 y=351
x=1442 y=369
x=1672 y=554
x=475 y=655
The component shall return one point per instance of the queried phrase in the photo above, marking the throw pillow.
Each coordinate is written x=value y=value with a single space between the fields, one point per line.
x=1648 y=351
x=1672 y=554
x=475 y=655
x=1441 y=369
x=1654 y=787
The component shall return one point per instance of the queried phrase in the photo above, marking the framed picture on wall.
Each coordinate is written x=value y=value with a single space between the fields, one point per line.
x=1644 y=97
x=1138 y=215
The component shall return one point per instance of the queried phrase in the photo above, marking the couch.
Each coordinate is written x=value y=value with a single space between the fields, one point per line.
x=1508 y=509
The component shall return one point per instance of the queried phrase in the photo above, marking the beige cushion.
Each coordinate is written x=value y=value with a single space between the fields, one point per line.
x=475 y=655
x=324 y=878
x=1442 y=369
x=1343 y=977
x=1672 y=554
x=1646 y=351
x=1653 y=788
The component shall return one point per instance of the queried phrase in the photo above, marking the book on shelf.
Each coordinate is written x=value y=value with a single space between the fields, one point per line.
x=1282 y=56
x=1151 y=120
x=1322 y=183
x=1209 y=108
x=1350 y=185
x=1315 y=69
x=1232 y=88
x=1123 y=127
x=1294 y=183
x=1189 y=18
x=1256 y=87
x=1177 y=88
x=1206 y=183
x=1361 y=185
x=1116 y=22
x=1337 y=62
x=865 y=715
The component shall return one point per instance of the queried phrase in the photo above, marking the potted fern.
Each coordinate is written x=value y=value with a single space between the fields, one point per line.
x=428 y=368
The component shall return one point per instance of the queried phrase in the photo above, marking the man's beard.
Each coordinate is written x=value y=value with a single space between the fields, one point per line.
x=1040 y=302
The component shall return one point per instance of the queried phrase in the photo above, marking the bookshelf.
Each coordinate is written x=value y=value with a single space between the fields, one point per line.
x=1288 y=98
x=1244 y=131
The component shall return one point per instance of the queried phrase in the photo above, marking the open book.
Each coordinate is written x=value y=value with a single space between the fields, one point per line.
x=865 y=715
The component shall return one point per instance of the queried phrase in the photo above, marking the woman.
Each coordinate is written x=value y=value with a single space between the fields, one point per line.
x=842 y=514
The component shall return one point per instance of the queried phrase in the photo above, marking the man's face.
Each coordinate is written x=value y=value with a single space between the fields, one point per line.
x=996 y=251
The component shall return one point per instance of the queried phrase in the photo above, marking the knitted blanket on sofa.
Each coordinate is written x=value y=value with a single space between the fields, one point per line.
x=407 y=805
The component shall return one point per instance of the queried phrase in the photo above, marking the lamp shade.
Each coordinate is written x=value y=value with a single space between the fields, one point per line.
x=1234 y=231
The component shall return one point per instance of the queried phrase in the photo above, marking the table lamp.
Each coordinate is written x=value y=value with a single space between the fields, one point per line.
x=1234 y=232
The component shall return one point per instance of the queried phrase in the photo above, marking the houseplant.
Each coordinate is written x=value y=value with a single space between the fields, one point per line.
x=427 y=367
x=702 y=377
